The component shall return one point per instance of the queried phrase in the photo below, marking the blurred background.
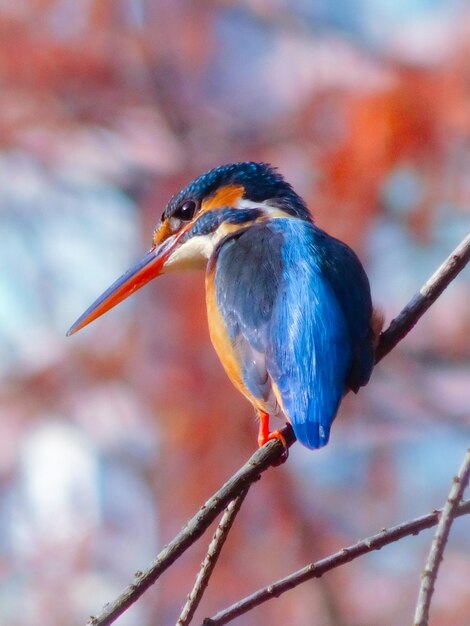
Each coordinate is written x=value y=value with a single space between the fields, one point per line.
x=111 y=439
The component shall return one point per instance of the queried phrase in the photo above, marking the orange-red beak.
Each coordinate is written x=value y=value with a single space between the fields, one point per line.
x=149 y=266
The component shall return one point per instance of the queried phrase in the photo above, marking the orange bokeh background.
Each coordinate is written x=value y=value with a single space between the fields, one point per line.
x=111 y=439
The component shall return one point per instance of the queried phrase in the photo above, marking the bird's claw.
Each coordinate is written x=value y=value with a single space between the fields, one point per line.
x=264 y=436
x=277 y=434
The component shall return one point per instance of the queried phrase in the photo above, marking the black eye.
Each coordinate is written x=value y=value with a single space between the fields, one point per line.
x=186 y=210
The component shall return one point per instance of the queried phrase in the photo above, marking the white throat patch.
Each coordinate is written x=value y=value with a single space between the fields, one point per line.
x=192 y=254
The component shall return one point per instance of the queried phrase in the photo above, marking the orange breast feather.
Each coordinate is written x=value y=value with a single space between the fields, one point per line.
x=221 y=341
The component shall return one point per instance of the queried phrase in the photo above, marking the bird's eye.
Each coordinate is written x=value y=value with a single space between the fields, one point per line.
x=185 y=211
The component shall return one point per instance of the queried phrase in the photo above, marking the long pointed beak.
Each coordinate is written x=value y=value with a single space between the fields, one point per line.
x=150 y=266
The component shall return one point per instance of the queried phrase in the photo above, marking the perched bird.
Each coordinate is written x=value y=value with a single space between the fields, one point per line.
x=289 y=306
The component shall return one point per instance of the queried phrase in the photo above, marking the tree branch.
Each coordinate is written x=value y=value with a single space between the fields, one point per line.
x=259 y=462
x=272 y=451
x=317 y=569
x=441 y=535
x=207 y=566
x=421 y=301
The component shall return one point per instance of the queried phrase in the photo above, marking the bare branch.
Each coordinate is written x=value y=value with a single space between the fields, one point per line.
x=259 y=462
x=441 y=535
x=272 y=451
x=315 y=570
x=421 y=301
x=207 y=566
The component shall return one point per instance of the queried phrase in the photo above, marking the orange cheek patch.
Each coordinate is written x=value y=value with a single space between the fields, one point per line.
x=161 y=233
x=225 y=196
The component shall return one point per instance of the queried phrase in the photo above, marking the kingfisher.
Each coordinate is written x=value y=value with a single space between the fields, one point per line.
x=289 y=306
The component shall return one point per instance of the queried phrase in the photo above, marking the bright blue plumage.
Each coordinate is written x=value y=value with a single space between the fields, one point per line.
x=289 y=307
x=297 y=309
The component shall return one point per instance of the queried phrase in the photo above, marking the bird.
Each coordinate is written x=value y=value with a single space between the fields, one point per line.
x=289 y=306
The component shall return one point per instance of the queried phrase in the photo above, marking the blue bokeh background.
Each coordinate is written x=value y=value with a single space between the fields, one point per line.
x=109 y=440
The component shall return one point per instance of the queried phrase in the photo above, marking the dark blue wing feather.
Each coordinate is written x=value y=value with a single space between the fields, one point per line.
x=296 y=305
x=248 y=274
x=344 y=272
x=249 y=271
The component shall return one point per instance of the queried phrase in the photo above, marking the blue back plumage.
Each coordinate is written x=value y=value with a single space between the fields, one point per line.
x=297 y=308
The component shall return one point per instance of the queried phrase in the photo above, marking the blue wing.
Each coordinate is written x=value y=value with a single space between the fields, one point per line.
x=297 y=308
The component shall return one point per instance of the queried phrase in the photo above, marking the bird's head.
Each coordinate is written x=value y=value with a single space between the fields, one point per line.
x=212 y=206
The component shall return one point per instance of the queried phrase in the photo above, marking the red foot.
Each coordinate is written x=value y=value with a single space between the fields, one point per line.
x=264 y=435
x=263 y=432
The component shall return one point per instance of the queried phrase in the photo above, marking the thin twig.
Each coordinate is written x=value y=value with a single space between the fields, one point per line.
x=317 y=569
x=421 y=301
x=259 y=462
x=272 y=452
x=441 y=535
x=207 y=566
